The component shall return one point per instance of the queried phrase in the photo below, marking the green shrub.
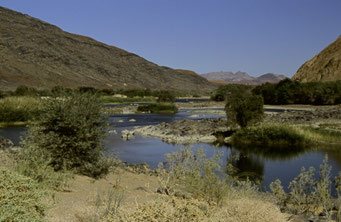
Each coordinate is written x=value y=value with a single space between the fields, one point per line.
x=244 y=109
x=195 y=174
x=165 y=97
x=33 y=164
x=224 y=92
x=161 y=108
x=293 y=92
x=307 y=194
x=70 y=133
x=21 y=198
x=25 y=91
x=15 y=109
x=270 y=135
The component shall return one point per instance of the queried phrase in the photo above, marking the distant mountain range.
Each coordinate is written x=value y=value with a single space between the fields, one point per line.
x=325 y=66
x=37 y=54
x=242 y=77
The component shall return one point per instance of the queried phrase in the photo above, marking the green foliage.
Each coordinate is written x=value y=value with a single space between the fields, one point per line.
x=33 y=163
x=270 y=135
x=87 y=89
x=292 y=92
x=69 y=134
x=165 y=97
x=195 y=174
x=21 y=198
x=307 y=194
x=224 y=92
x=14 y=109
x=244 y=109
x=161 y=108
x=25 y=91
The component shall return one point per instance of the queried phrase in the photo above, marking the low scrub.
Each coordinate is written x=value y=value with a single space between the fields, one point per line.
x=270 y=135
x=282 y=135
x=21 y=198
x=19 y=109
x=309 y=194
x=160 y=108
x=33 y=164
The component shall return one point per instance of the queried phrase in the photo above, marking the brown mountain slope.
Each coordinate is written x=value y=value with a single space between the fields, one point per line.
x=325 y=66
x=35 y=53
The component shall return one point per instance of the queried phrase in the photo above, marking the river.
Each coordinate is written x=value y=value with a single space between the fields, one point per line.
x=252 y=162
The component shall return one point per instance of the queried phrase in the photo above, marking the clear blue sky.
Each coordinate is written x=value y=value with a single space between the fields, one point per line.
x=255 y=36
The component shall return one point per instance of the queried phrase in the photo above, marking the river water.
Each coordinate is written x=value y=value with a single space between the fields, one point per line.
x=255 y=163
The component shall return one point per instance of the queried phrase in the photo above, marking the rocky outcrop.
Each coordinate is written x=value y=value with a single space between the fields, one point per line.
x=184 y=131
x=305 y=116
x=324 y=67
x=38 y=54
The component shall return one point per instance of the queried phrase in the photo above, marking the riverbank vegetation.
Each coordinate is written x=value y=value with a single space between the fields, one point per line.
x=287 y=91
x=15 y=110
x=159 y=108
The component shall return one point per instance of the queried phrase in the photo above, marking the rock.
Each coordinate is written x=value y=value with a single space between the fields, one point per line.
x=5 y=143
x=112 y=131
x=127 y=135
x=194 y=116
x=227 y=140
x=132 y=120
x=185 y=131
x=120 y=121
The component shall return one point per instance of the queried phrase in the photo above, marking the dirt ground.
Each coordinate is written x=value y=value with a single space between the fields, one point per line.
x=83 y=193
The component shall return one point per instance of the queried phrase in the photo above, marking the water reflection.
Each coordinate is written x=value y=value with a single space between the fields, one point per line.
x=273 y=153
x=246 y=165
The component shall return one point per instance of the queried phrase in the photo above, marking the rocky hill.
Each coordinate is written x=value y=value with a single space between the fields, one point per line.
x=38 y=54
x=242 y=77
x=325 y=66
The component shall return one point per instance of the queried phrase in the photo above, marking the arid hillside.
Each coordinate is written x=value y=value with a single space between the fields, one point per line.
x=38 y=54
x=324 y=67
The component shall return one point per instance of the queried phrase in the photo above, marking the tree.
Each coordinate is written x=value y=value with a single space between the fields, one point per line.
x=69 y=134
x=244 y=109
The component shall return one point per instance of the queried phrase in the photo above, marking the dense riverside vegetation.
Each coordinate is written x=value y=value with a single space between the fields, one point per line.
x=19 y=109
x=293 y=92
x=288 y=92
x=25 y=103
x=160 y=108
x=130 y=93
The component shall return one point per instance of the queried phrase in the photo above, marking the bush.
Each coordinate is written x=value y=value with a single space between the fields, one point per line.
x=293 y=92
x=33 y=164
x=20 y=198
x=165 y=97
x=161 y=108
x=70 y=133
x=269 y=135
x=307 y=194
x=244 y=109
x=195 y=174
x=224 y=92
x=25 y=91
x=15 y=109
